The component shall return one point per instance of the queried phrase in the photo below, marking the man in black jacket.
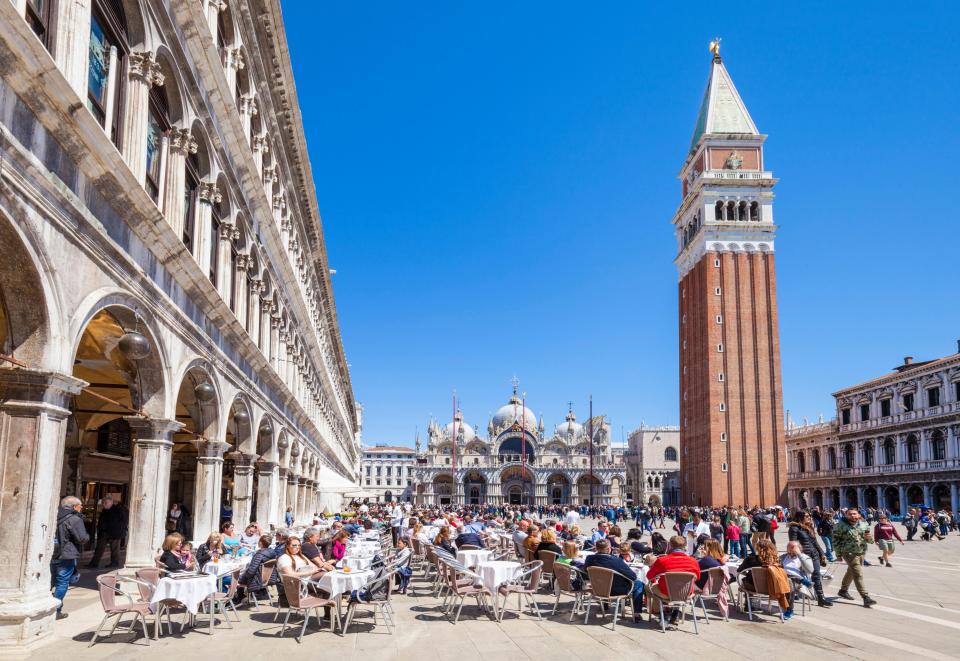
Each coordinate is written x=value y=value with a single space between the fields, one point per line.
x=621 y=586
x=71 y=536
x=111 y=530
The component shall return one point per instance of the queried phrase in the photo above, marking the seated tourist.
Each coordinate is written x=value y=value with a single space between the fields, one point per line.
x=570 y=552
x=634 y=537
x=626 y=553
x=210 y=549
x=677 y=560
x=172 y=558
x=778 y=583
x=548 y=542
x=532 y=542
x=339 y=547
x=601 y=532
x=520 y=534
x=712 y=556
x=659 y=544
x=311 y=551
x=250 y=537
x=469 y=537
x=251 y=579
x=231 y=541
x=443 y=540
x=621 y=584
x=797 y=564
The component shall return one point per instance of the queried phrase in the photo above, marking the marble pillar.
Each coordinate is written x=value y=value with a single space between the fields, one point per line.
x=207 y=488
x=143 y=72
x=149 y=488
x=292 y=484
x=242 y=488
x=33 y=422
x=72 y=42
x=268 y=482
x=903 y=499
x=209 y=195
x=181 y=144
x=282 y=475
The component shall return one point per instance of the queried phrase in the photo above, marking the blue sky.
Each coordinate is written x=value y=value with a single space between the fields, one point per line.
x=497 y=182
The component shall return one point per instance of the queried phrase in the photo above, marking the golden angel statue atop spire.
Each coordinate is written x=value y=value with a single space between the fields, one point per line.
x=715 y=48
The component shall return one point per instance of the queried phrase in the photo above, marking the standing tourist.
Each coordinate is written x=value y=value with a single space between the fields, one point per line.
x=733 y=538
x=825 y=530
x=850 y=539
x=111 y=530
x=910 y=523
x=885 y=532
x=71 y=536
x=801 y=530
x=396 y=521
x=288 y=517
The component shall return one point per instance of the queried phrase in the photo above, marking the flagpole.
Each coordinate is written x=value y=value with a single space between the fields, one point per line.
x=523 y=444
x=453 y=452
x=591 y=450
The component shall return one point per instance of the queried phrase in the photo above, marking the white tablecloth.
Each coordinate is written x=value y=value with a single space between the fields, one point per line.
x=337 y=582
x=429 y=533
x=362 y=547
x=226 y=566
x=369 y=535
x=355 y=562
x=495 y=573
x=188 y=591
x=471 y=558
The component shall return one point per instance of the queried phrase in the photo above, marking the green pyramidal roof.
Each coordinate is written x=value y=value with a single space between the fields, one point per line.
x=722 y=110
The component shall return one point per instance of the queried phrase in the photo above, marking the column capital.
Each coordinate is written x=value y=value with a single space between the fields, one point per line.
x=23 y=388
x=292 y=479
x=228 y=232
x=235 y=58
x=248 y=105
x=144 y=68
x=266 y=466
x=261 y=143
x=209 y=192
x=269 y=174
x=280 y=202
x=244 y=261
x=210 y=450
x=153 y=430
x=182 y=142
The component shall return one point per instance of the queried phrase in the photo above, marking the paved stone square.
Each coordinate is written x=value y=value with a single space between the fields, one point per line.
x=918 y=615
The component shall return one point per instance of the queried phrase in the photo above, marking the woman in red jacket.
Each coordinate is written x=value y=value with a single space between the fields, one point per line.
x=884 y=533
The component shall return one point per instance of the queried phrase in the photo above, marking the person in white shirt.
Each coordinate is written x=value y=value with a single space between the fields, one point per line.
x=250 y=537
x=572 y=517
x=693 y=530
x=364 y=508
x=292 y=562
x=396 y=522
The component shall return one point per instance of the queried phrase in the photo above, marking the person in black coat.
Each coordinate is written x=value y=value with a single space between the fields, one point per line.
x=621 y=586
x=111 y=530
x=468 y=536
x=801 y=530
x=71 y=536
x=251 y=579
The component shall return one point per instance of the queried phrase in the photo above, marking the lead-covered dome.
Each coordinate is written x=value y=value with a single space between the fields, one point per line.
x=515 y=412
x=465 y=433
x=570 y=428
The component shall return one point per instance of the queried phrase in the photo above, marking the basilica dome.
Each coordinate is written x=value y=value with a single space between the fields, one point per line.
x=463 y=430
x=569 y=428
x=515 y=411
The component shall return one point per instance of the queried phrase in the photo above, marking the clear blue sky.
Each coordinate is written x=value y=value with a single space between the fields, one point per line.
x=497 y=182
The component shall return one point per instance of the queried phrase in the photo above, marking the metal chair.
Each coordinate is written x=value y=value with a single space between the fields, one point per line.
x=601 y=591
x=109 y=590
x=381 y=606
x=564 y=575
x=222 y=600
x=147 y=580
x=715 y=586
x=679 y=595
x=525 y=586
x=297 y=601
x=758 y=580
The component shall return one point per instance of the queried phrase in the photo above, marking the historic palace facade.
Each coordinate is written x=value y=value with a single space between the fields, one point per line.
x=518 y=463
x=167 y=321
x=895 y=443
x=731 y=409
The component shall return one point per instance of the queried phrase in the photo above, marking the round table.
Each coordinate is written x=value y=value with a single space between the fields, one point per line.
x=495 y=573
x=363 y=547
x=190 y=592
x=473 y=557
x=356 y=562
x=226 y=565
x=339 y=582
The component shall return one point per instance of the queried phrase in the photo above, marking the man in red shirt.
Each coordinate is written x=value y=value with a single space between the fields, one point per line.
x=676 y=560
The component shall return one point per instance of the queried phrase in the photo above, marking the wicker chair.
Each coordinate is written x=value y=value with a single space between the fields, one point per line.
x=564 y=575
x=680 y=595
x=547 y=558
x=601 y=592
x=525 y=586
x=299 y=602
x=757 y=577
x=109 y=590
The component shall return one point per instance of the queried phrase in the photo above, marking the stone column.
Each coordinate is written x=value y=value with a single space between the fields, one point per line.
x=292 y=494
x=209 y=195
x=260 y=146
x=954 y=498
x=149 y=488
x=269 y=177
x=860 y=497
x=228 y=234
x=72 y=42
x=268 y=479
x=242 y=488
x=280 y=347
x=240 y=292
x=233 y=64
x=302 y=503
x=282 y=474
x=173 y=204
x=253 y=313
x=903 y=499
x=248 y=108
x=926 y=494
x=33 y=424
x=143 y=72
x=207 y=488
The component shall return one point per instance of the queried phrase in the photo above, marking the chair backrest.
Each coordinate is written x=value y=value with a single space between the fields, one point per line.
x=564 y=575
x=148 y=578
x=234 y=581
x=679 y=584
x=291 y=588
x=108 y=591
x=416 y=545
x=758 y=576
x=469 y=547
x=716 y=582
x=601 y=581
x=529 y=577
x=547 y=558
x=266 y=571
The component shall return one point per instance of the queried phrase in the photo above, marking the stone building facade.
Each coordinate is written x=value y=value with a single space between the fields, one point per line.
x=387 y=471
x=731 y=409
x=517 y=462
x=167 y=322
x=895 y=443
x=653 y=466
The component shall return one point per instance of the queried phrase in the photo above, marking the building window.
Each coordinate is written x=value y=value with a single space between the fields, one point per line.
x=38 y=16
x=889 y=452
x=192 y=194
x=683 y=319
x=389 y=470
x=848 y=456
x=720 y=376
x=884 y=408
x=368 y=481
x=933 y=396
x=368 y=470
x=956 y=391
x=106 y=55
x=723 y=467
x=719 y=318
x=723 y=407
x=378 y=483
x=864 y=411
x=716 y=291
x=716 y=263
x=720 y=348
x=723 y=436
x=913 y=449
x=908 y=402
x=868 y=454
x=670 y=454
x=938 y=446
x=844 y=416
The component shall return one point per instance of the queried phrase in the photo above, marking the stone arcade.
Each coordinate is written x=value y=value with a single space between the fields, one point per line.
x=164 y=288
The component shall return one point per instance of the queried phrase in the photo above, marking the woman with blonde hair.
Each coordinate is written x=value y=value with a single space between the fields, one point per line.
x=570 y=552
x=210 y=549
x=548 y=542
x=443 y=540
x=778 y=583
x=172 y=559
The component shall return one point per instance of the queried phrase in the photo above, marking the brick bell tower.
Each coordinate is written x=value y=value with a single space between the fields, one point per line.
x=731 y=404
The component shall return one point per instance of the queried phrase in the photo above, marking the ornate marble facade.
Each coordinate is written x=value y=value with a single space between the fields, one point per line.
x=518 y=462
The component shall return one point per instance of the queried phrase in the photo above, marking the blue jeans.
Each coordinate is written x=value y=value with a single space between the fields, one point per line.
x=746 y=546
x=637 y=596
x=828 y=547
x=64 y=571
x=735 y=547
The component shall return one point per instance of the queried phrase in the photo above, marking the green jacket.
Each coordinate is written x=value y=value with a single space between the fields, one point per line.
x=850 y=540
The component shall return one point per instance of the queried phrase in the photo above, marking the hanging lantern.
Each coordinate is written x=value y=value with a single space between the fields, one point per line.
x=265 y=428
x=241 y=417
x=204 y=392
x=135 y=345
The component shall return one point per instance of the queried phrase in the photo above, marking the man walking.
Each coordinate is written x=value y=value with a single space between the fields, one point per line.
x=111 y=530
x=71 y=536
x=825 y=530
x=850 y=539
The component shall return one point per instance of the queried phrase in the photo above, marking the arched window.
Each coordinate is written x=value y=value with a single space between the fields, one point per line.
x=742 y=211
x=38 y=16
x=731 y=210
x=718 y=211
x=815 y=456
x=191 y=193
x=216 y=218
x=938 y=446
x=755 y=211
x=107 y=55
x=670 y=454
x=801 y=463
x=848 y=456
x=889 y=452
x=831 y=458
x=913 y=449
x=868 y=454
x=158 y=122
